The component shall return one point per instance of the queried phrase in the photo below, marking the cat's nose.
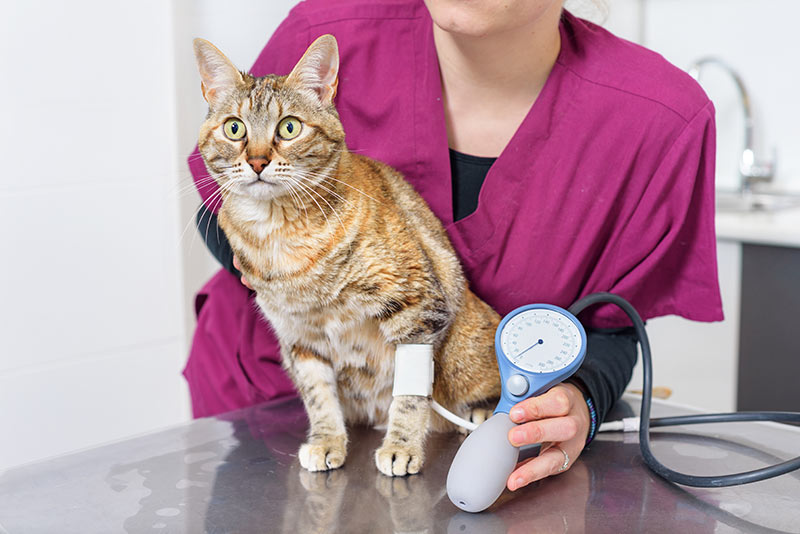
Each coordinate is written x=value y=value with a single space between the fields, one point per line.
x=258 y=163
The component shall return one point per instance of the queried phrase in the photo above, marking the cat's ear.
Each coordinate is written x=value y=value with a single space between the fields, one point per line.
x=219 y=76
x=318 y=69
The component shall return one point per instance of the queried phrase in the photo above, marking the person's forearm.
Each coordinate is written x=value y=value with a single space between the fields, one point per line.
x=607 y=369
x=215 y=240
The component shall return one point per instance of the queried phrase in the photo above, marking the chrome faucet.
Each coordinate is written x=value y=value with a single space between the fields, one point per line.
x=752 y=171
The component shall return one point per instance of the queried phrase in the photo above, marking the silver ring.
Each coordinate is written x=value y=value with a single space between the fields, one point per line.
x=566 y=459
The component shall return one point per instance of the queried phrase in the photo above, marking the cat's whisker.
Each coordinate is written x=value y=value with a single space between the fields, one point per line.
x=344 y=229
x=292 y=191
x=192 y=220
x=320 y=184
x=305 y=193
x=188 y=187
x=195 y=213
x=296 y=199
x=308 y=192
x=215 y=207
x=210 y=204
x=187 y=184
x=201 y=212
x=314 y=174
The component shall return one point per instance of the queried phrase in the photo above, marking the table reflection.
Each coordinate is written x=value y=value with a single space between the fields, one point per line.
x=239 y=473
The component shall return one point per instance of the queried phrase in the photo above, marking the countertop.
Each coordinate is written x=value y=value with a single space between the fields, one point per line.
x=239 y=473
x=780 y=227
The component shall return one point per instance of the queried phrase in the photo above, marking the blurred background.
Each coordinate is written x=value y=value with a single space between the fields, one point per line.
x=100 y=255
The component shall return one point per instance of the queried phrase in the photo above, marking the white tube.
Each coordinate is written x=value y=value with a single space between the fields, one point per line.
x=628 y=424
x=450 y=416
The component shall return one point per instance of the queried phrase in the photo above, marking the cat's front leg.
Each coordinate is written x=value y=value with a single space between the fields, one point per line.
x=403 y=449
x=315 y=379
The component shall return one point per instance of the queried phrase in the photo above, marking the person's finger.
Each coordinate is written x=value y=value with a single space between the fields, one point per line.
x=238 y=267
x=554 y=429
x=554 y=403
x=546 y=464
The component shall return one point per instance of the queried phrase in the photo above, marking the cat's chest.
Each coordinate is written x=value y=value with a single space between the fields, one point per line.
x=271 y=244
x=340 y=332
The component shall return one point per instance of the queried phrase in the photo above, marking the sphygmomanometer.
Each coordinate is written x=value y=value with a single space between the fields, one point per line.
x=537 y=347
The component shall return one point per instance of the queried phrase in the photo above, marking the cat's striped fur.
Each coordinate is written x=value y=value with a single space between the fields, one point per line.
x=346 y=259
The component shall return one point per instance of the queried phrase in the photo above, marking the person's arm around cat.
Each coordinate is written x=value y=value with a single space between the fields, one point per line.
x=239 y=268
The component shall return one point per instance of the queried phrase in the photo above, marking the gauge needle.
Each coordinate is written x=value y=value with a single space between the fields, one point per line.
x=529 y=348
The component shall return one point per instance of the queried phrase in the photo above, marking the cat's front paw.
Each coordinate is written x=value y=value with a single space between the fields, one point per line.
x=322 y=454
x=396 y=460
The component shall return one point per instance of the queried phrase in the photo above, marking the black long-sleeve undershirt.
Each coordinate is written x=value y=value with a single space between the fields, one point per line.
x=610 y=353
x=216 y=241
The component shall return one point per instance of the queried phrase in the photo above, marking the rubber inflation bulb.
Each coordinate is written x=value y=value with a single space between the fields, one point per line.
x=482 y=465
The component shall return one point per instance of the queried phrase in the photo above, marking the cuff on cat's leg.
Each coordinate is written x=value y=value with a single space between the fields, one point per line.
x=413 y=370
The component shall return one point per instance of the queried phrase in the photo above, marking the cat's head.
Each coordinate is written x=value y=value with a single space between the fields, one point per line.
x=266 y=137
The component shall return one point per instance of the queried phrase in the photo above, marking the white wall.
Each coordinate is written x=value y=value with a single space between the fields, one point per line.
x=92 y=334
x=622 y=17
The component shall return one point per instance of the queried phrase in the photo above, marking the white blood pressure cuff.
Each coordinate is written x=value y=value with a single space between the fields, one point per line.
x=413 y=370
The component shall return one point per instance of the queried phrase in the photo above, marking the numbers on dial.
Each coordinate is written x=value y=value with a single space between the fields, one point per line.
x=541 y=340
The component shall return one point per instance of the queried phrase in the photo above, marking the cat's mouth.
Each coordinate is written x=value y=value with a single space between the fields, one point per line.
x=262 y=180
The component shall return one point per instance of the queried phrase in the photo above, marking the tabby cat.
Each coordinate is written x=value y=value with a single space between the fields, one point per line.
x=346 y=260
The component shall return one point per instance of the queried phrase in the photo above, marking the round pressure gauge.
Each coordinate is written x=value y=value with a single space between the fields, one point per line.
x=538 y=346
x=540 y=340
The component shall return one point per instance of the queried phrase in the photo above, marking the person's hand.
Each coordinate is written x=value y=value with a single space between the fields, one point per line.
x=557 y=419
x=239 y=268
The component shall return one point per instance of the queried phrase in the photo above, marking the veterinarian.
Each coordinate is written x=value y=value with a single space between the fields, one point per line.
x=561 y=159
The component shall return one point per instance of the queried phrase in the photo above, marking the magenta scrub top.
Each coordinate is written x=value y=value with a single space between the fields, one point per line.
x=607 y=185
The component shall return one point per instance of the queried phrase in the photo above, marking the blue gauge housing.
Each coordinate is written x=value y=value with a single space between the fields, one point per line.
x=519 y=383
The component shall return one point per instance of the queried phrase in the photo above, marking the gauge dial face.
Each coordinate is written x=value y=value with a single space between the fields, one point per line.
x=541 y=340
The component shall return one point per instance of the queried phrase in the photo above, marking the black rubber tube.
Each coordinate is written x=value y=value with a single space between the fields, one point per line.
x=660 y=469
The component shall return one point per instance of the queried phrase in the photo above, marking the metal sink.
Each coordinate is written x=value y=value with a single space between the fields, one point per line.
x=764 y=202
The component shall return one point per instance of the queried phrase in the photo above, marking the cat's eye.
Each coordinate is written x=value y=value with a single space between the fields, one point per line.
x=234 y=129
x=289 y=128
